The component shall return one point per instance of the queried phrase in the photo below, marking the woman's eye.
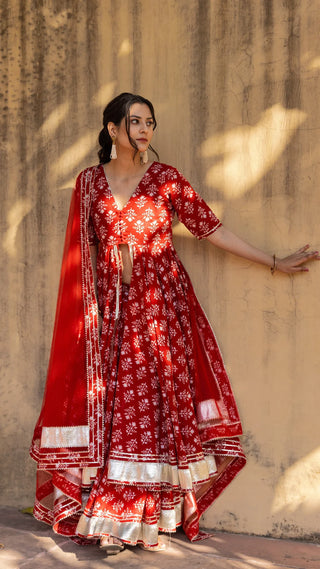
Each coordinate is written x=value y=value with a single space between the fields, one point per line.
x=136 y=121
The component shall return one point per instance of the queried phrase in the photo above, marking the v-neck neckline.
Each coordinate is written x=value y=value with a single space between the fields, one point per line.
x=133 y=193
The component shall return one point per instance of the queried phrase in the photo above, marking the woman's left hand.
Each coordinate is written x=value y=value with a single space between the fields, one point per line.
x=295 y=263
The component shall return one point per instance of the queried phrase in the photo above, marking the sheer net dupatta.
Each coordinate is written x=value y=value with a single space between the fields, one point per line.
x=69 y=431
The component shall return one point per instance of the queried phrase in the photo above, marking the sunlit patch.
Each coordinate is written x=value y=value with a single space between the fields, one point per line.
x=255 y=562
x=246 y=153
x=299 y=485
x=104 y=94
x=67 y=184
x=125 y=48
x=15 y=216
x=10 y=558
x=314 y=63
x=74 y=155
x=54 y=120
x=171 y=550
x=59 y=552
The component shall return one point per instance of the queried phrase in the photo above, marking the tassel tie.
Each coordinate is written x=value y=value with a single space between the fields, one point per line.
x=118 y=259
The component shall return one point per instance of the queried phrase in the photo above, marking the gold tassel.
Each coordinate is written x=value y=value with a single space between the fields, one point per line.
x=113 y=154
x=144 y=157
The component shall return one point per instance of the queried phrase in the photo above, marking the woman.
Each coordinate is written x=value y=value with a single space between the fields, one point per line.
x=139 y=429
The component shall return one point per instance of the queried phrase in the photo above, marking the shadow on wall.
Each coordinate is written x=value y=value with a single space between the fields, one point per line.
x=298 y=488
x=242 y=156
x=61 y=171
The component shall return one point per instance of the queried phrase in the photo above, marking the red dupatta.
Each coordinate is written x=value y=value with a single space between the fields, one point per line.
x=69 y=431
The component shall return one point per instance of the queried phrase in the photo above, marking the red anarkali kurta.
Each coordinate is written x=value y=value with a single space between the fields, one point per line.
x=168 y=432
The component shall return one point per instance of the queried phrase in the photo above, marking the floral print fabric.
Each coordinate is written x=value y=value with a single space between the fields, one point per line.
x=170 y=418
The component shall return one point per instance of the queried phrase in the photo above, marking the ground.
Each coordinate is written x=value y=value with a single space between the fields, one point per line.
x=28 y=544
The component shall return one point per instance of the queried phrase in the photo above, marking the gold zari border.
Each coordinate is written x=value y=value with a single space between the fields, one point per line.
x=157 y=473
x=60 y=437
x=133 y=531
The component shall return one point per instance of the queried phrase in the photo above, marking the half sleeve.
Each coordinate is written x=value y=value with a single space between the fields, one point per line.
x=191 y=208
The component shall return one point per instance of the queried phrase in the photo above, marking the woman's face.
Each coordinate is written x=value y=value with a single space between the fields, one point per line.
x=140 y=127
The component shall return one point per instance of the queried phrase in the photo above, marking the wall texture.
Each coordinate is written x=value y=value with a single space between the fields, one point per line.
x=235 y=85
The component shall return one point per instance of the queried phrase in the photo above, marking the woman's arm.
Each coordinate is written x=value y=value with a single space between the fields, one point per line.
x=225 y=239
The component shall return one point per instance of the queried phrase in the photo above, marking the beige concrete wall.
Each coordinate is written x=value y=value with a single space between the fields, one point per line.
x=235 y=85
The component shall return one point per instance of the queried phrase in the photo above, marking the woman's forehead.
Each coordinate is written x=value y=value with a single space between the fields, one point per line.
x=140 y=109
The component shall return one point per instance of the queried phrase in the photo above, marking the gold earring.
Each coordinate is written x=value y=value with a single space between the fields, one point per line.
x=144 y=157
x=113 y=154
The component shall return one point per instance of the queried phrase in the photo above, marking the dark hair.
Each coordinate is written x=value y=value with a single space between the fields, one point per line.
x=115 y=111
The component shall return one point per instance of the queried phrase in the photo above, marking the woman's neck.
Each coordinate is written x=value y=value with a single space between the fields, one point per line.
x=126 y=166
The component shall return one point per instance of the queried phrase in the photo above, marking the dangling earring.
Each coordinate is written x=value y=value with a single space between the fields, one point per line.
x=113 y=154
x=144 y=157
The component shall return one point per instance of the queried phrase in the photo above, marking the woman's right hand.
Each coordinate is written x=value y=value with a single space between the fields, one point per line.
x=295 y=262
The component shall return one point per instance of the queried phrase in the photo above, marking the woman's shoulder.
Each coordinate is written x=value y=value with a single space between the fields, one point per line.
x=88 y=172
x=170 y=172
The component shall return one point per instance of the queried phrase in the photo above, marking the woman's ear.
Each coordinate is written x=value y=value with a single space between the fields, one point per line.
x=112 y=129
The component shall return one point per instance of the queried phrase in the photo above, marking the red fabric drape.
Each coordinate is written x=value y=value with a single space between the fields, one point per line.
x=73 y=398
